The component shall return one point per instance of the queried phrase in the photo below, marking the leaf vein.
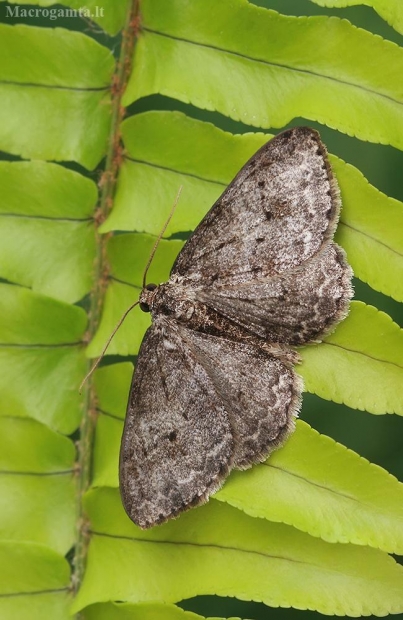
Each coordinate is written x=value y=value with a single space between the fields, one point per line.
x=365 y=234
x=37 y=473
x=195 y=544
x=36 y=593
x=12 y=345
x=316 y=484
x=108 y=414
x=376 y=359
x=47 y=217
x=273 y=64
x=187 y=174
x=56 y=86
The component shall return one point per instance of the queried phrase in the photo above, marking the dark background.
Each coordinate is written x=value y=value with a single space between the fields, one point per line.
x=379 y=438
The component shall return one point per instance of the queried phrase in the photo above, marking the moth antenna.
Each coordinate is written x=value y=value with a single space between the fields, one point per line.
x=160 y=235
x=94 y=366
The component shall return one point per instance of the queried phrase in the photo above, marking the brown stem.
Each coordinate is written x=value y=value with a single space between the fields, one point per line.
x=101 y=270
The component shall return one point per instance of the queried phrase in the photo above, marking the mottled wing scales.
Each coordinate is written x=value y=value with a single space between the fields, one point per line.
x=275 y=215
x=294 y=308
x=260 y=393
x=199 y=405
x=177 y=443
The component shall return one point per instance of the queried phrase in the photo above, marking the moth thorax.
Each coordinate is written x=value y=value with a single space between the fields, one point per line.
x=146 y=297
x=169 y=300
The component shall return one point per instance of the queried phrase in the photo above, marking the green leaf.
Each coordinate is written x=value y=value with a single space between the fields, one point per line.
x=106 y=451
x=322 y=488
x=41 y=203
x=112 y=384
x=169 y=140
x=78 y=60
x=67 y=100
x=389 y=10
x=164 y=151
x=364 y=353
x=168 y=149
x=112 y=387
x=231 y=554
x=50 y=503
x=128 y=254
x=36 y=479
x=41 y=358
x=42 y=383
x=64 y=271
x=34 y=583
x=23 y=313
x=145 y=611
x=45 y=190
x=370 y=231
x=30 y=447
x=246 y=72
x=58 y=117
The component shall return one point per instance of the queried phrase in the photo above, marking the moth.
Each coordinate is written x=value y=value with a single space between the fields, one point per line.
x=214 y=388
